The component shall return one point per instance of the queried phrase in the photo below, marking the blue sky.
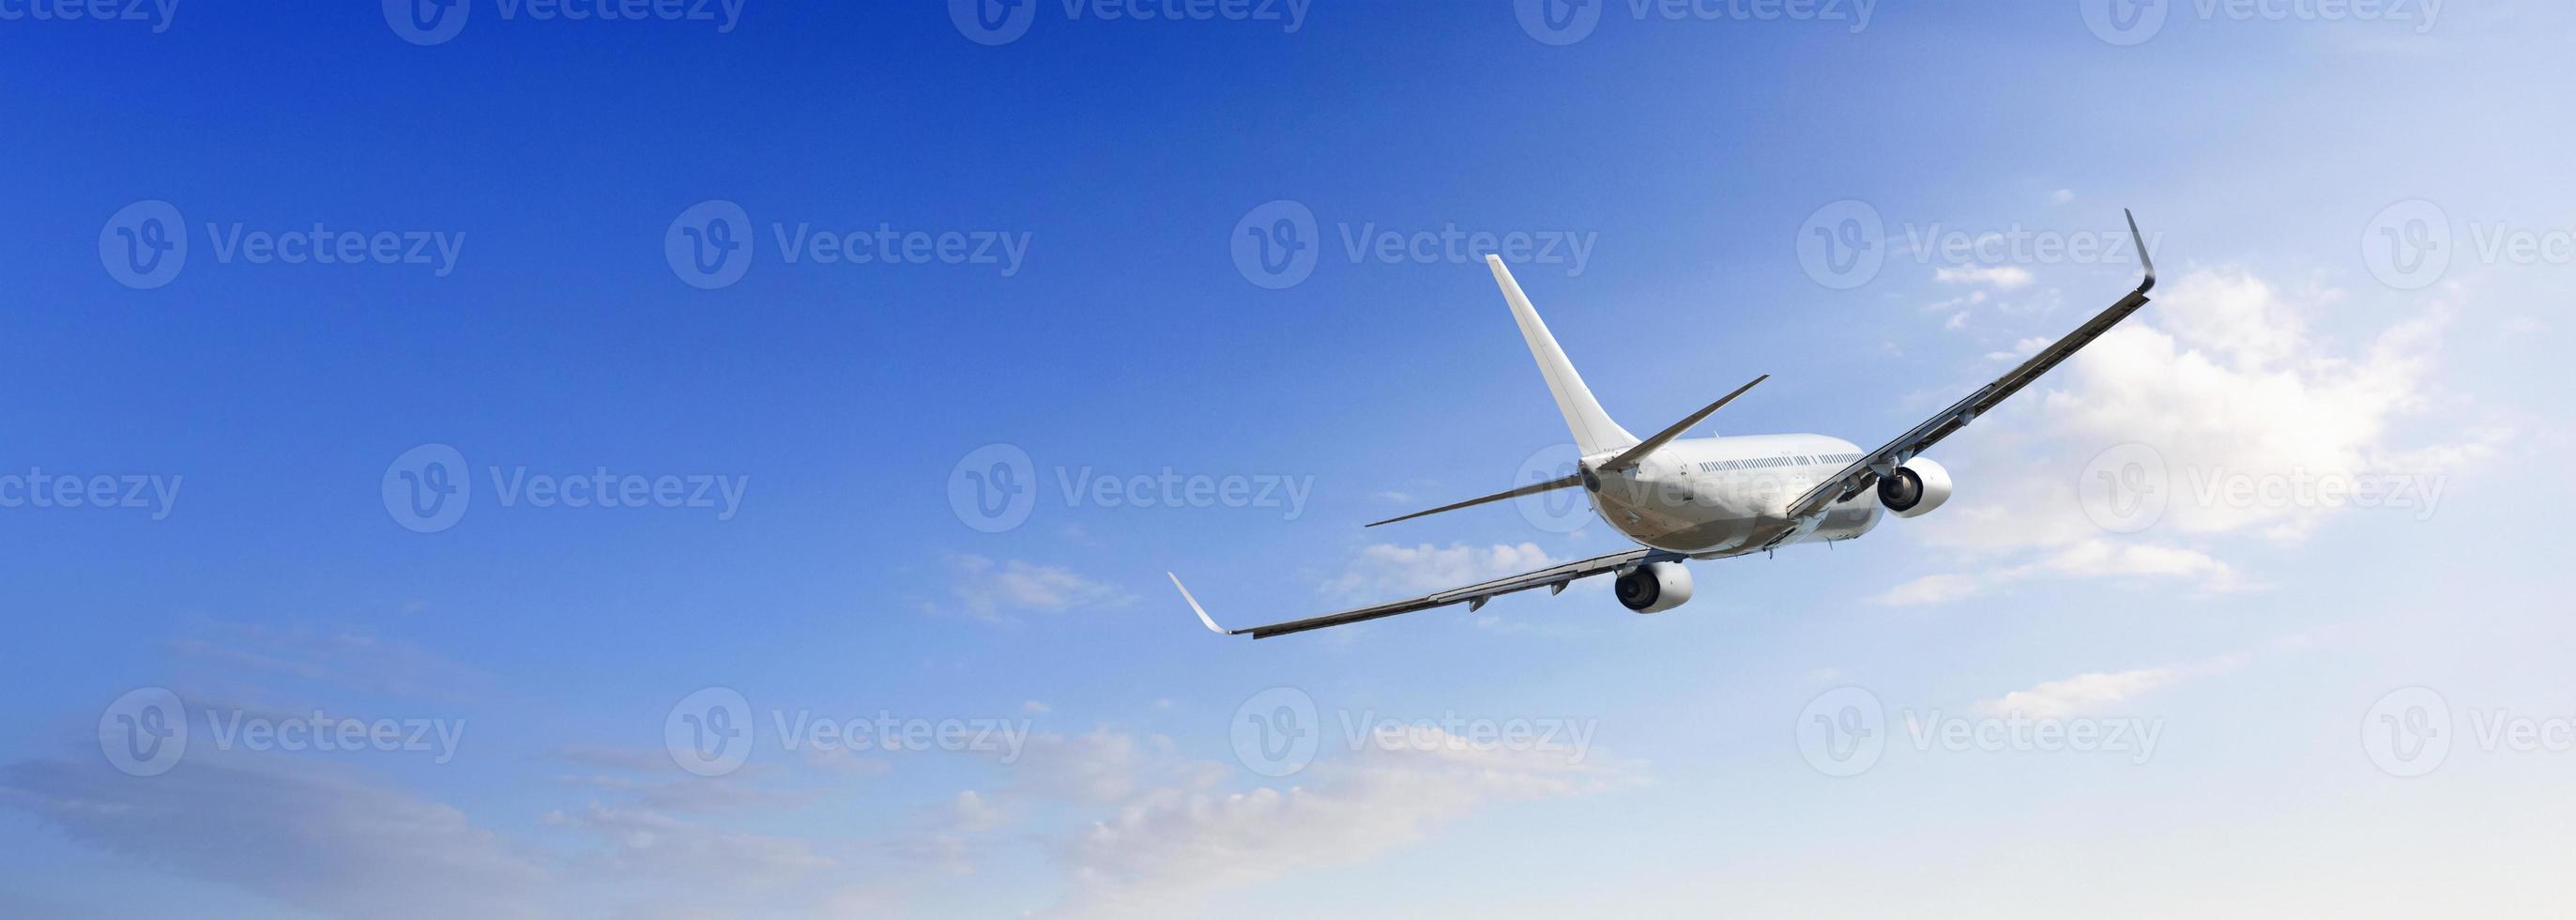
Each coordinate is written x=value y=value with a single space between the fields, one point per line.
x=2362 y=220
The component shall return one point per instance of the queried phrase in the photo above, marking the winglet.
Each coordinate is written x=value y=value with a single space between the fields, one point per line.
x=1194 y=606
x=2141 y=241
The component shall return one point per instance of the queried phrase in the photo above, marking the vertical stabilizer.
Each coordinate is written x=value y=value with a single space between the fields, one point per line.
x=1594 y=432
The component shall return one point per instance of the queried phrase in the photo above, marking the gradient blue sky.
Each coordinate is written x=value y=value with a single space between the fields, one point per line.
x=2265 y=153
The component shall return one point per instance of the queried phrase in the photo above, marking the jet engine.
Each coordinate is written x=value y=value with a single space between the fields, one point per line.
x=1918 y=487
x=1655 y=587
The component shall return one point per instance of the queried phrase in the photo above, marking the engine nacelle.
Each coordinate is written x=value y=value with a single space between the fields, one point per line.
x=1918 y=487
x=1655 y=587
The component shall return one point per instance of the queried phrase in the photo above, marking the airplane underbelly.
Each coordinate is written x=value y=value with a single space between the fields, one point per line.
x=1725 y=517
x=1684 y=527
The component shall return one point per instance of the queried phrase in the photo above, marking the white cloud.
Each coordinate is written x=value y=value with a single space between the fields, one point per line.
x=2095 y=693
x=316 y=838
x=650 y=844
x=1929 y=589
x=2006 y=277
x=2099 y=558
x=1385 y=570
x=2061 y=196
x=2082 y=693
x=1164 y=854
x=330 y=658
x=1102 y=766
x=2221 y=379
x=994 y=590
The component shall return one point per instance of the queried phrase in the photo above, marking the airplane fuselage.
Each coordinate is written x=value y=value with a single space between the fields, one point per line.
x=1716 y=497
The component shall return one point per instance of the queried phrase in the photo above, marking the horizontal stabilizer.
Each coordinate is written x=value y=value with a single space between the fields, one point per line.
x=1532 y=489
x=1648 y=446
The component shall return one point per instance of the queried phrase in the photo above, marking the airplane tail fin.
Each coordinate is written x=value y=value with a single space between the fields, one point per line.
x=1594 y=432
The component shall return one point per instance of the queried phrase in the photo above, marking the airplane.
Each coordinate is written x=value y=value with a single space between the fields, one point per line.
x=1682 y=499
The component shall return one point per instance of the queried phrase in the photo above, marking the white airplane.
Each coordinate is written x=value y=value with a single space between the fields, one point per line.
x=1715 y=497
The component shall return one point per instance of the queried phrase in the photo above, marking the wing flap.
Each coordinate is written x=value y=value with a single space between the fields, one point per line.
x=1555 y=577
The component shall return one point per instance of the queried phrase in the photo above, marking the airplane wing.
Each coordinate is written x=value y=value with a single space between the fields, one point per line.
x=1554 y=578
x=1850 y=480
